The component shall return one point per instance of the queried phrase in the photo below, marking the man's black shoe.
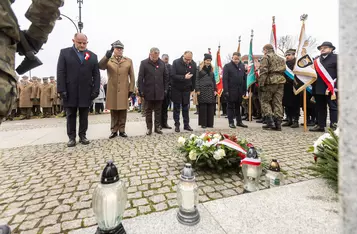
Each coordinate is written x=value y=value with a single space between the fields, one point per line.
x=241 y=125
x=166 y=126
x=177 y=129
x=203 y=127
x=149 y=132
x=71 y=143
x=317 y=128
x=188 y=128
x=113 y=134
x=123 y=134
x=158 y=131
x=232 y=125
x=84 y=141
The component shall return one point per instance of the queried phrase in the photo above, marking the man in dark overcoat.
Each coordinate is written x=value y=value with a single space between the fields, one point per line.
x=78 y=81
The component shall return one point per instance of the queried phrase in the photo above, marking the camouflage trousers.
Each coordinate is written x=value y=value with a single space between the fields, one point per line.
x=272 y=100
x=8 y=94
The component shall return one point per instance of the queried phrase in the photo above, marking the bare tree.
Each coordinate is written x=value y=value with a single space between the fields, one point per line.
x=227 y=59
x=288 y=42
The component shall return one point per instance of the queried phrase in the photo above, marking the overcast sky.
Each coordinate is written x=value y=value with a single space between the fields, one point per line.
x=175 y=26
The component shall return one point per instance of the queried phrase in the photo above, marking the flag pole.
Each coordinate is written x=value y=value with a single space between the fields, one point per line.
x=305 y=112
x=219 y=96
x=250 y=104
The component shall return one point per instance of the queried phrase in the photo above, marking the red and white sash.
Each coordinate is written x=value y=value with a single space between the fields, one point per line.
x=329 y=81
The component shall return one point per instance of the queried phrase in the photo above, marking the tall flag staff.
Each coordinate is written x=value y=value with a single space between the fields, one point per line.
x=238 y=50
x=218 y=78
x=304 y=68
x=251 y=78
x=273 y=40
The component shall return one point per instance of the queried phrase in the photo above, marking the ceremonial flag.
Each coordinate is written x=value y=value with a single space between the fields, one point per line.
x=218 y=72
x=273 y=40
x=304 y=67
x=209 y=50
x=251 y=67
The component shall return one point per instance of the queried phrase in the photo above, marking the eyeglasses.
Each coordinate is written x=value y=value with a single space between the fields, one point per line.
x=288 y=55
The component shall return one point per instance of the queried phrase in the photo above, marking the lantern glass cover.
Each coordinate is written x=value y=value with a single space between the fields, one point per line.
x=109 y=202
x=251 y=175
x=187 y=195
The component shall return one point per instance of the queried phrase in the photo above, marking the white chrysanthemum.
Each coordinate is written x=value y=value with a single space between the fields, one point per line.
x=217 y=136
x=337 y=131
x=192 y=155
x=192 y=136
x=207 y=143
x=319 y=141
x=181 y=141
x=219 y=154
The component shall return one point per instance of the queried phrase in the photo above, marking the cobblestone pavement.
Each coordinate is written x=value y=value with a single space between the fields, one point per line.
x=48 y=188
x=61 y=122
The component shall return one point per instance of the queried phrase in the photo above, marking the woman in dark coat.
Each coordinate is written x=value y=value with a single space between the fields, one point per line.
x=206 y=92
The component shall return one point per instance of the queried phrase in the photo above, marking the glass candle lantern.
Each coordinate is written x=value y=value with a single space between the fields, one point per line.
x=274 y=176
x=109 y=201
x=252 y=170
x=187 y=197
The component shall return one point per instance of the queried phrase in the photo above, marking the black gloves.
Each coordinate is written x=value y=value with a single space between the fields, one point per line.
x=34 y=44
x=63 y=96
x=93 y=96
x=109 y=53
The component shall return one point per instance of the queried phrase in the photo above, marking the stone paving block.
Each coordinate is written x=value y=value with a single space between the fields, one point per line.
x=38 y=214
x=171 y=195
x=52 y=229
x=160 y=206
x=29 y=224
x=89 y=222
x=33 y=208
x=157 y=198
x=219 y=187
x=149 y=193
x=70 y=200
x=49 y=220
x=228 y=192
x=33 y=231
x=68 y=216
x=19 y=218
x=130 y=213
x=143 y=187
x=140 y=202
x=172 y=203
x=155 y=185
x=203 y=198
x=144 y=209
x=65 y=196
x=11 y=212
x=16 y=205
x=50 y=198
x=215 y=195
x=208 y=189
x=61 y=209
x=135 y=195
x=52 y=204
x=87 y=213
x=69 y=225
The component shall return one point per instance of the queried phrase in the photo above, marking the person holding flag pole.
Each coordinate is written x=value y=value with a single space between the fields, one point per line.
x=251 y=77
x=218 y=78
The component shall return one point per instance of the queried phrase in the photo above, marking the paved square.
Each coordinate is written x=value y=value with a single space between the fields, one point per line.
x=48 y=188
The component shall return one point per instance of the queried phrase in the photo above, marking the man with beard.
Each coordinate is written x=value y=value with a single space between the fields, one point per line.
x=183 y=79
x=234 y=86
x=291 y=102
x=325 y=87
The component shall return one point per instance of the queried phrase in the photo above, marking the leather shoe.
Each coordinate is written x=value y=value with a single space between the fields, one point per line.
x=188 y=128
x=232 y=125
x=158 y=131
x=317 y=128
x=241 y=125
x=148 y=132
x=71 y=143
x=203 y=126
x=84 y=141
x=113 y=134
x=123 y=134
x=166 y=126
x=177 y=129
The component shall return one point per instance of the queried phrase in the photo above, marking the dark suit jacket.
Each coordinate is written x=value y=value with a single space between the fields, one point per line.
x=330 y=64
x=81 y=81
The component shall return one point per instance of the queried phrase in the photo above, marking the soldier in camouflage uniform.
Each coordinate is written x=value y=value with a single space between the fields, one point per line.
x=43 y=15
x=271 y=83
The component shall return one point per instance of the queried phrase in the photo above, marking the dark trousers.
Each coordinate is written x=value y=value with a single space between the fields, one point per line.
x=321 y=103
x=164 y=107
x=224 y=108
x=150 y=107
x=233 y=110
x=118 y=120
x=56 y=109
x=71 y=113
x=99 y=107
x=293 y=112
x=206 y=114
x=186 y=118
x=36 y=110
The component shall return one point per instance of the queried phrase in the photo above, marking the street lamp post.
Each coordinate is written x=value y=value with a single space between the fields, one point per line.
x=60 y=18
x=80 y=23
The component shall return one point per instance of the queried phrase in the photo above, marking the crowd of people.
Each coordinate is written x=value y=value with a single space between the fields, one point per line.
x=79 y=89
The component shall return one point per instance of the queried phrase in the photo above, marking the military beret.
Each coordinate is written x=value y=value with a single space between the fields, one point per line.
x=290 y=51
x=45 y=78
x=118 y=44
x=25 y=77
x=52 y=77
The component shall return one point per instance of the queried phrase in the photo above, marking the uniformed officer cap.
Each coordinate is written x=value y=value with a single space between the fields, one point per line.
x=25 y=77
x=290 y=51
x=118 y=44
x=45 y=78
x=52 y=77
x=38 y=78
